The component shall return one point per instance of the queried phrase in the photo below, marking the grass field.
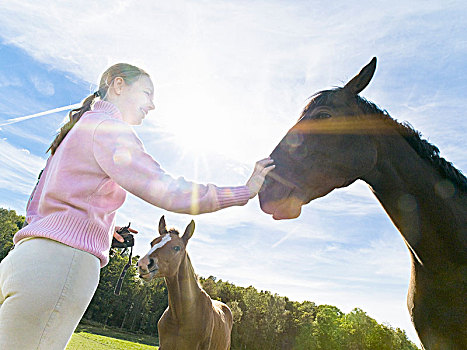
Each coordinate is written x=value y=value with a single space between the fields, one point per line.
x=89 y=341
x=91 y=337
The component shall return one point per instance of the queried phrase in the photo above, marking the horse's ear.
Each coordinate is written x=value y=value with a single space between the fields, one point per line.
x=362 y=79
x=162 y=226
x=188 y=232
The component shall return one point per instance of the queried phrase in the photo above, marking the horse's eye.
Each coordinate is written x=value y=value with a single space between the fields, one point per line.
x=322 y=115
x=176 y=248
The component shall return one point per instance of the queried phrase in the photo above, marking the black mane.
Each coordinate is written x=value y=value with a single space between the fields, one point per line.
x=423 y=148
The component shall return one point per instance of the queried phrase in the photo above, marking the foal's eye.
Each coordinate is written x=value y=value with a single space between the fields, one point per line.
x=322 y=115
x=176 y=248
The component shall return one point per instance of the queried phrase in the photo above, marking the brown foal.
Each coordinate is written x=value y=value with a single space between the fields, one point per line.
x=192 y=320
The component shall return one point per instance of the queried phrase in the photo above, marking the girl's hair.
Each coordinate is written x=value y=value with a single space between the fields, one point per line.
x=127 y=72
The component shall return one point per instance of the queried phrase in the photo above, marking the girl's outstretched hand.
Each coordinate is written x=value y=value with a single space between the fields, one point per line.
x=262 y=168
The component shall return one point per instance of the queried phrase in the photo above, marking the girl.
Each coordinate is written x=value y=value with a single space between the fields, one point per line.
x=48 y=280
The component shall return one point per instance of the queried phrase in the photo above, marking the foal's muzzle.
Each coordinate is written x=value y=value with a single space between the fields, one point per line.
x=147 y=268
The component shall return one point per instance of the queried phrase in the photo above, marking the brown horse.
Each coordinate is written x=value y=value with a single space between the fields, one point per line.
x=341 y=137
x=192 y=321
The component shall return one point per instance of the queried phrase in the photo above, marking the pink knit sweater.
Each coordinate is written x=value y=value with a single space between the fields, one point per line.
x=86 y=180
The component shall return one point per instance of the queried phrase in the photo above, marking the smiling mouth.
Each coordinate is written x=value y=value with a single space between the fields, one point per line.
x=145 y=112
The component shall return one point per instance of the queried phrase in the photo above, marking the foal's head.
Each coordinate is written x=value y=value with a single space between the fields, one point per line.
x=166 y=253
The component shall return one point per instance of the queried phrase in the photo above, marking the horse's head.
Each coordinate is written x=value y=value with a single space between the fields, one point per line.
x=329 y=147
x=166 y=253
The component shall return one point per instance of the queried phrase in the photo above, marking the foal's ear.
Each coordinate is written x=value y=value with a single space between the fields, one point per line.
x=362 y=79
x=162 y=226
x=188 y=232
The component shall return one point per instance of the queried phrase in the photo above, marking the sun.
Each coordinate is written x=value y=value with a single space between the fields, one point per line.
x=197 y=134
x=200 y=127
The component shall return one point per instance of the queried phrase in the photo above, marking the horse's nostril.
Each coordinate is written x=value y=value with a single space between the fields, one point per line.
x=151 y=263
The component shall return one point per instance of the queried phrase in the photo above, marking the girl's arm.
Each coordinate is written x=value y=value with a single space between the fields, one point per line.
x=121 y=155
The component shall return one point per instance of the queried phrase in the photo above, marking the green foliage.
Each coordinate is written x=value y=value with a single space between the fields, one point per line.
x=334 y=330
x=262 y=320
x=139 y=305
x=10 y=223
x=267 y=321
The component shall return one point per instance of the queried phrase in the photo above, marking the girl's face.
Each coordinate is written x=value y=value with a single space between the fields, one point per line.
x=136 y=100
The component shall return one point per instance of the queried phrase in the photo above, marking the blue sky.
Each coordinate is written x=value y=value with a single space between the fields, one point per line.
x=231 y=77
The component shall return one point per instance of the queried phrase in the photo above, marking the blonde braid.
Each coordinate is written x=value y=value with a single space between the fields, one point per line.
x=74 y=115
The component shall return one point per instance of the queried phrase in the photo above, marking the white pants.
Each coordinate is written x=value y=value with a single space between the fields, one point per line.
x=45 y=288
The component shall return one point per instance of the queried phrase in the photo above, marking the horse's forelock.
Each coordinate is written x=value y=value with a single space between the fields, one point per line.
x=167 y=232
x=174 y=231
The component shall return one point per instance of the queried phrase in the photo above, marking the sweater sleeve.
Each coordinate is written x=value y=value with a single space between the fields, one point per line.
x=121 y=155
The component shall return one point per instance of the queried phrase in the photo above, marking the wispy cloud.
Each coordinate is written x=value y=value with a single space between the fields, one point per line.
x=44 y=86
x=19 y=168
x=8 y=80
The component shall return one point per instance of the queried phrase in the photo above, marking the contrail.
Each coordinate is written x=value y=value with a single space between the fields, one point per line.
x=285 y=237
x=50 y=111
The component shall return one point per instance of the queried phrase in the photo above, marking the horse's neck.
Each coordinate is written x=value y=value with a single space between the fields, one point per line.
x=183 y=291
x=415 y=196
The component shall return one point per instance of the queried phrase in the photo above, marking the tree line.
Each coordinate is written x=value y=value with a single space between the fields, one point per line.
x=262 y=320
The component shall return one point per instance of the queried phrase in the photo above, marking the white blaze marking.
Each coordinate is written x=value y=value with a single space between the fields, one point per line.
x=162 y=243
